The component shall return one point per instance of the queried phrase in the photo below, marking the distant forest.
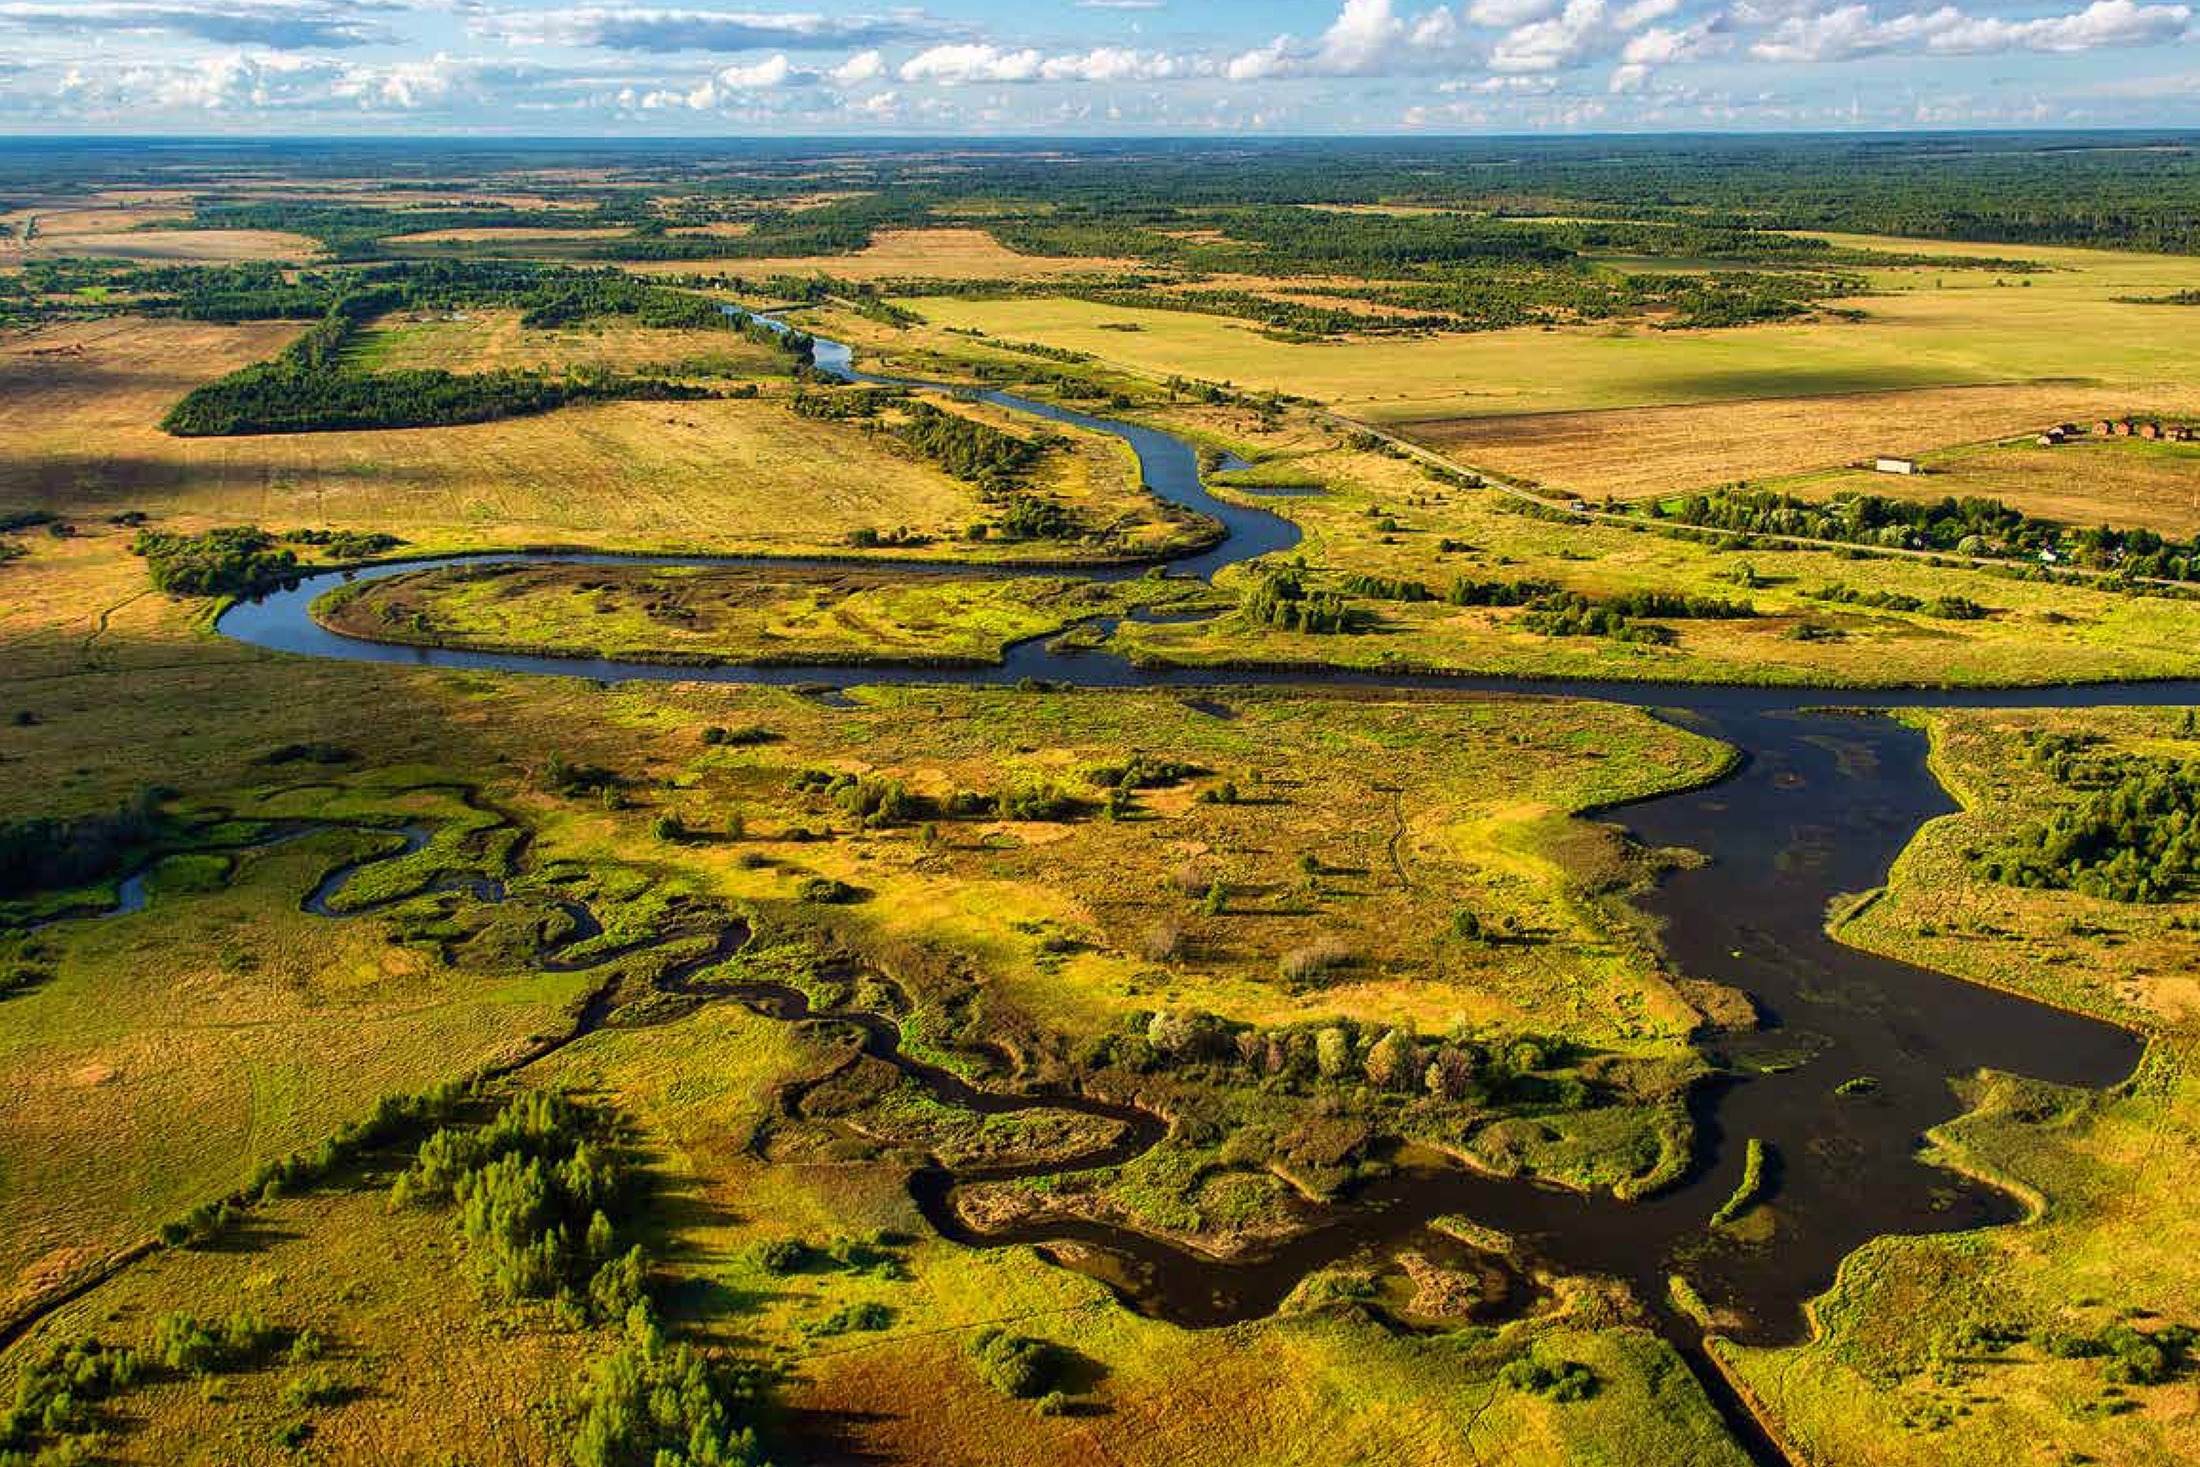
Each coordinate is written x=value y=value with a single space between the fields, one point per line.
x=2137 y=191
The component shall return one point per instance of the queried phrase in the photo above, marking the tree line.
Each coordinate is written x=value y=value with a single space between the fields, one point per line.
x=1972 y=526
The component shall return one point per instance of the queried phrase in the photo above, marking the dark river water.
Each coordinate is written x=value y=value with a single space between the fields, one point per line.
x=1820 y=805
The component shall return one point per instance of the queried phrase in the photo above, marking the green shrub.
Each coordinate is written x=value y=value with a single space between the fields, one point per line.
x=1015 y=1365
x=1562 y=1380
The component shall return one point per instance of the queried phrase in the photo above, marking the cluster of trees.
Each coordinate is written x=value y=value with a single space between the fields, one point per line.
x=1143 y=772
x=1571 y=614
x=970 y=450
x=252 y=291
x=1386 y=588
x=2133 y=835
x=59 y=1394
x=651 y=1403
x=838 y=227
x=544 y=1198
x=878 y=801
x=1310 y=1058
x=2130 y=1356
x=541 y=1192
x=1950 y=608
x=237 y=560
x=356 y=231
x=1468 y=592
x=1282 y=600
x=1451 y=271
x=47 y=854
x=269 y=399
x=62 y=1394
x=1556 y=1380
x=1036 y=517
x=846 y=404
x=345 y=544
x=1965 y=526
x=1020 y=1367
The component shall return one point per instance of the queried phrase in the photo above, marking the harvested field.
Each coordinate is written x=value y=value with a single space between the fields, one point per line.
x=944 y=254
x=497 y=234
x=1637 y=452
x=120 y=234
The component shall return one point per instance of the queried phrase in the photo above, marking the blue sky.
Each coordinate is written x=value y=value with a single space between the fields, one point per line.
x=1095 y=67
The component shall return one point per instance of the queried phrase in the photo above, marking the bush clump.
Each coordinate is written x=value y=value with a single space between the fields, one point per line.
x=1560 y=1380
x=1016 y=1365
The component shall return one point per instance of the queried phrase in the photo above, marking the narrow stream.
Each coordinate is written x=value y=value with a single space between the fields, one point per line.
x=1822 y=803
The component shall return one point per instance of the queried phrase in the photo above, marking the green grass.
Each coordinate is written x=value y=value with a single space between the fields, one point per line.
x=2127 y=962
x=726 y=616
x=1927 y=329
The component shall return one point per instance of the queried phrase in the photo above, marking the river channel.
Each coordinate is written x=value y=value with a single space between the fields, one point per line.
x=1820 y=804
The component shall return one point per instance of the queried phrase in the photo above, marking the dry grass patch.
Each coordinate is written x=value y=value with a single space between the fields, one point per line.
x=80 y=407
x=115 y=234
x=81 y=436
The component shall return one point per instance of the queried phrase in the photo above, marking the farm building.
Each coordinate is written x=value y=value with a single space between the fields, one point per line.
x=1889 y=464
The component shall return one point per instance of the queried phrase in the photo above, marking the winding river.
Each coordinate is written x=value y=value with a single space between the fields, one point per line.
x=1820 y=805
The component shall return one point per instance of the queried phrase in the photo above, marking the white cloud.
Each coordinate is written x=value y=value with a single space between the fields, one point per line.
x=862 y=67
x=1851 y=31
x=633 y=28
x=961 y=64
x=291 y=25
x=970 y=64
x=1115 y=64
x=1505 y=14
x=1562 y=40
x=772 y=71
x=1273 y=59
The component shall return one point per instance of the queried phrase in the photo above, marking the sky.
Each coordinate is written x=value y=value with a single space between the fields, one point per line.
x=1089 y=67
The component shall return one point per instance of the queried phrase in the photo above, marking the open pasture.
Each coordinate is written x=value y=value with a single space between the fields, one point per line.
x=2077 y=324
x=492 y=340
